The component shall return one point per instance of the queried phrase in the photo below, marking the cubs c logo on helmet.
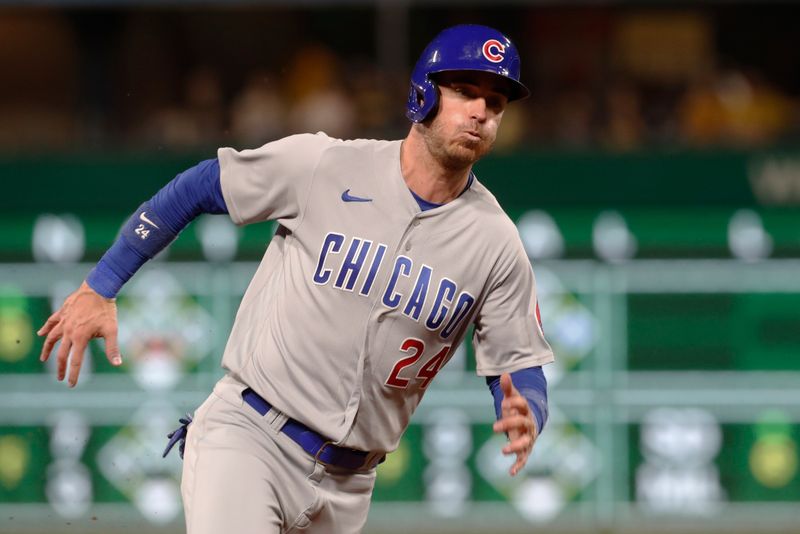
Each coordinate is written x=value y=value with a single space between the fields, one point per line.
x=493 y=50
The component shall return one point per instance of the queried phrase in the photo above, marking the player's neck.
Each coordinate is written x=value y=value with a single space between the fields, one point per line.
x=426 y=176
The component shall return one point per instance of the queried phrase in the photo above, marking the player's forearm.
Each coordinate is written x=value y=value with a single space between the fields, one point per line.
x=156 y=223
x=532 y=384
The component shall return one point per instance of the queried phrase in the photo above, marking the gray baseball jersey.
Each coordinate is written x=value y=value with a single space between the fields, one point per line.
x=361 y=297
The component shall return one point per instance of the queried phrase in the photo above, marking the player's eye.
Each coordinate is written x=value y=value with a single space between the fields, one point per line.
x=495 y=102
x=464 y=90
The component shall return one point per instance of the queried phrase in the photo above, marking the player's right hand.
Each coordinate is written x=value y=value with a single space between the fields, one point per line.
x=83 y=316
x=517 y=422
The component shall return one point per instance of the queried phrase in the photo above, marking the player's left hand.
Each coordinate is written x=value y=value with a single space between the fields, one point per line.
x=517 y=422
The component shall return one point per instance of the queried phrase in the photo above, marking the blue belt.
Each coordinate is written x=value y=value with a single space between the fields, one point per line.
x=323 y=450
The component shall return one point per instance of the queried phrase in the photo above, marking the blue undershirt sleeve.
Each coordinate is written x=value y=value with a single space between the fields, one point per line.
x=532 y=384
x=156 y=223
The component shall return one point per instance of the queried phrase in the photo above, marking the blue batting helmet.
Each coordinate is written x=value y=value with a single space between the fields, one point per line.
x=465 y=47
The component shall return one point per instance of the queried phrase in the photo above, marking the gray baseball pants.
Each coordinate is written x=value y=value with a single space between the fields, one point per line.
x=241 y=475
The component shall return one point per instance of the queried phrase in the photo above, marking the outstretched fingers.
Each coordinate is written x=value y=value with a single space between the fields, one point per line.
x=62 y=356
x=50 y=341
x=517 y=422
x=76 y=360
x=522 y=459
x=520 y=445
x=84 y=315
x=506 y=385
x=514 y=424
x=112 y=348
x=51 y=322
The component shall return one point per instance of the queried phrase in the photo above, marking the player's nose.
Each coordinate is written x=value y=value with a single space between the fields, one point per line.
x=478 y=109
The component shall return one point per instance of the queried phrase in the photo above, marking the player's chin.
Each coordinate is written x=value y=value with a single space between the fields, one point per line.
x=471 y=151
x=458 y=159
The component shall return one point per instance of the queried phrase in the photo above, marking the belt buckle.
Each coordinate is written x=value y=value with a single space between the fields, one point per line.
x=316 y=456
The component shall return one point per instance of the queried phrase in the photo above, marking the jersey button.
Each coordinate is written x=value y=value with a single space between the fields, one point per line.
x=416 y=223
x=380 y=318
x=408 y=247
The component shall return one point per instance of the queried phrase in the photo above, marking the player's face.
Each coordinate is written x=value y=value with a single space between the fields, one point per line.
x=471 y=105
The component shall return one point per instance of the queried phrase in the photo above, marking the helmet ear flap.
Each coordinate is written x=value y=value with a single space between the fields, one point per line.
x=423 y=99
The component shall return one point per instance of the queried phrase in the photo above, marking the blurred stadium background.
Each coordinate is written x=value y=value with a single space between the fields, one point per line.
x=654 y=176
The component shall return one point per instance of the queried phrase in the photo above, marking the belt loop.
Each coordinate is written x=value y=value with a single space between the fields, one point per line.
x=276 y=419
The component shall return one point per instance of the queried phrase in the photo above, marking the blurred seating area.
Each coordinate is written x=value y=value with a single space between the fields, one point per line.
x=613 y=77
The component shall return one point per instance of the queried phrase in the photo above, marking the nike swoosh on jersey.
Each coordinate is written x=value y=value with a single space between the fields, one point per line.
x=347 y=197
x=143 y=217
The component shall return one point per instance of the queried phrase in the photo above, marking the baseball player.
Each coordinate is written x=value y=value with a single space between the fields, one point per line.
x=385 y=253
